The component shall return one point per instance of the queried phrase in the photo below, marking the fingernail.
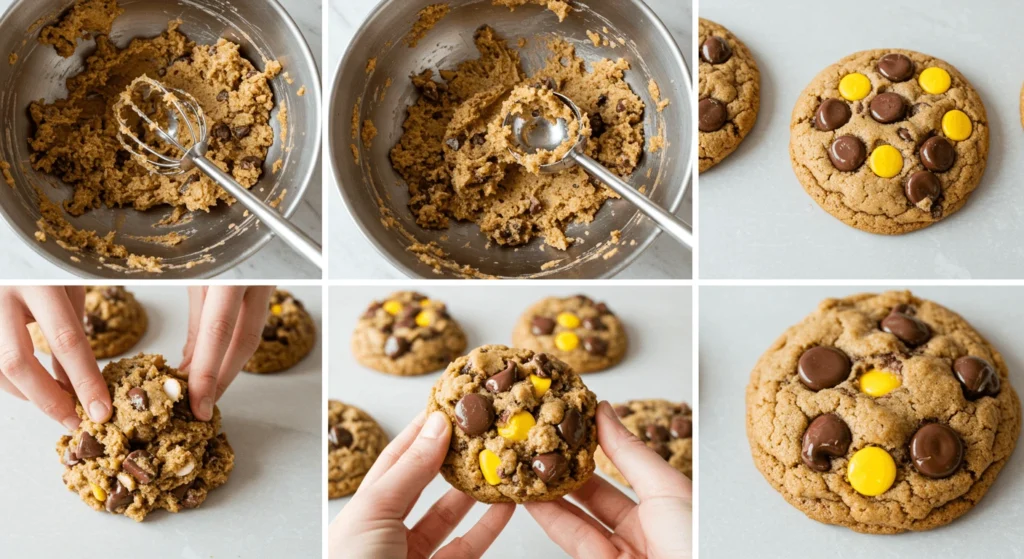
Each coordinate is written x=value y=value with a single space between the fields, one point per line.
x=206 y=408
x=97 y=411
x=434 y=427
x=71 y=423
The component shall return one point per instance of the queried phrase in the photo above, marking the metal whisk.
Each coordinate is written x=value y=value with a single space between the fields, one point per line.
x=178 y=120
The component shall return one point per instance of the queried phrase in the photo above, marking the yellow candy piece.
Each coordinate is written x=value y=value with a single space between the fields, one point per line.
x=877 y=383
x=98 y=492
x=277 y=310
x=540 y=385
x=518 y=427
x=886 y=161
x=393 y=307
x=424 y=319
x=489 y=463
x=567 y=341
x=426 y=302
x=871 y=471
x=935 y=80
x=568 y=320
x=956 y=125
x=854 y=87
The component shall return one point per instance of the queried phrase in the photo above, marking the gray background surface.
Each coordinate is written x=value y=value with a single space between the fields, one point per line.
x=742 y=516
x=271 y=505
x=756 y=220
x=657 y=365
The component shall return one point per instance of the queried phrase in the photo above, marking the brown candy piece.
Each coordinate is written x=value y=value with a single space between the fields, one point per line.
x=88 y=447
x=712 y=114
x=715 y=50
x=69 y=458
x=909 y=329
x=896 y=67
x=826 y=437
x=888 y=108
x=396 y=346
x=936 y=450
x=593 y=323
x=681 y=427
x=119 y=497
x=847 y=153
x=139 y=399
x=662 y=450
x=542 y=326
x=572 y=428
x=141 y=465
x=550 y=467
x=474 y=414
x=193 y=495
x=269 y=333
x=504 y=380
x=921 y=186
x=656 y=433
x=937 y=154
x=94 y=324
x=339 y=437
x=831 y=114
x=823 y=367
x=545 y=366
x=595 y=345
x=977 y=377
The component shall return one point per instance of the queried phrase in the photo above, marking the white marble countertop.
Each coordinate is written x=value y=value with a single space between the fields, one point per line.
x=275 y=261
x=351 y=256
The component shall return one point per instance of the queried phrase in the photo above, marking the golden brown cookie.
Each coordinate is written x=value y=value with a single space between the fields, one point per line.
x=354 y=441
x=583 y=333
x=730 y=93
x=889 y=141
x=288 y=336
x=114 y=322
x=882 y=413
x=664 y=426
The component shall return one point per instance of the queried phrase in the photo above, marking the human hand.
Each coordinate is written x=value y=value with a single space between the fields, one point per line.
x=59 y=312
x=372 y=524
x=659 y=527
x=225 y=326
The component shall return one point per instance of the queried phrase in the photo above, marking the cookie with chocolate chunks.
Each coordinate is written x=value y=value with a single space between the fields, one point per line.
x=665 y=427
x=287 y=337
x=354 y=441
x=729 y=94
x=114 y=322
x=584 y=333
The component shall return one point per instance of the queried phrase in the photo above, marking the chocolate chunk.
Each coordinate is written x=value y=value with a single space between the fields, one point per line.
x=222 y=132
x=572 y=428
x=269 y=332
x=69 y=458
x=910 y=329
x=936 y=450
x=681 y=427
x=396 y=346
x=119 y=497
x=503 y=380
x=826 y=437
x=88 y=447
x=823 y=367
x=888 y=108
x=545 y=365
x=139 y=399
x=251 y=162
x=831 y=115
x=896 y=67
x=715 y=50
x=977 y=377
x=937 y=154
x=474 y=414
x=542 y=326
x=241 y=131
x=622 y=410
x=339 y=437
x=921 y=186
x=593 y=323
x=662 y=450
x=194 y=494
x=535 y=206
x=141 y=465
x=595 y=346
x=223 y=95
x=597 y=125
x=905 y=134
x=712 y=114
x=621 y=106
x=179 y=491
x=656 y=433
x=452 y=143
x=478 y=139
x=94 y=324
x=550 y=467
x=847 y=153
x=601 y=100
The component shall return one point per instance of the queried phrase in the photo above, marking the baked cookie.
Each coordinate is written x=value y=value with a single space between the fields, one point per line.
x=523 y=426
x=730 y=93
x=584 y=334
x=882 y=413
x=663 y=426
x=153 y=453
x=889 y=141
x=288 y=336
x=354 y=441
x=114 y=322
x=407 y=334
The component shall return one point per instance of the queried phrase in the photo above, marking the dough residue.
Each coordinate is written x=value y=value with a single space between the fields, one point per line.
x=655 y=91
x=5 y=169
x=85 y=19
x=561 y=8
x=425 y=21
x=12 y=59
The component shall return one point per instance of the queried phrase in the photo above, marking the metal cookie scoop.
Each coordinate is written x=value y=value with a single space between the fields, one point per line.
x=535 y=133
x=182 y=127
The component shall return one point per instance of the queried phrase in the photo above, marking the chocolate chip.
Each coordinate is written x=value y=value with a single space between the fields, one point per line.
x=535 y=113
x=474 y=414
x=921 y=186
x=823 y=367
x=826 y=437
x=593 y=323
x=69 y=458
x=622 y=410
x=179 y=491
x=896 y=67
x=396 y=346
x=656 y=433
x=918 y=107
x=140 y=465
x=550 y=467
x=222 y=132
x=193 y=495
x=595 y=345
x=119 y=497
x=452 y=144
x=831 y=114
x=936 y=450
x=241 y=131
x=223 y=95
x=94 y=324
x=715 y=50
x=503 y=380
x=712 y=114
x=478 y=139
x=662 y=450
x=888 y=108
x=88 y=447
x=339 y=437
x=621 y=106
x=251 y=74
x=905 y=134
x=545 y=365
x=977 y=377
x=251 y=162
x=681 y=427
x=911 y=330
x=572 y=428
x=847 y=153
x=269 y=332
x=542 y=326
x=937 y=154
x=597 y=125
x=139 y=399
x=535 y=206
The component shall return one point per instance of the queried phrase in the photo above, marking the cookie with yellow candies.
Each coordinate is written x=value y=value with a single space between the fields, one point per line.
x=523 y=425
x=288 y=336
x=354 y=441
x=884 y=413
x=729 y=93
x=578 y=330
x=665 y=427
x=889 y=141
x=407 y=334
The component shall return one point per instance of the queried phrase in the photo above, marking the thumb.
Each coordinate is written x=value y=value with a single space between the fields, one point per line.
x=401 y=486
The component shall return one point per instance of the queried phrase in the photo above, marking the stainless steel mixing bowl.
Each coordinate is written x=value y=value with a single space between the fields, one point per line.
x=649 y=48
x=264 y=30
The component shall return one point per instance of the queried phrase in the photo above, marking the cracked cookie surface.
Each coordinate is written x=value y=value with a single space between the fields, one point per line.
x=882 y=413
x=578 y=330
x=354 y=441
x=114 y=322
x=729 y=94
x=288 y=336
x=889 y=141
x=665 y=427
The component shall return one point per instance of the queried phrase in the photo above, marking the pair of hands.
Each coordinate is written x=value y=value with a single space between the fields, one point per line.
x=605 y=524
x=225 y=327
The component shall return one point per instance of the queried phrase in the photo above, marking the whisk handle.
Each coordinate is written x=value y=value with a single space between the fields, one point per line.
x=290 y=234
